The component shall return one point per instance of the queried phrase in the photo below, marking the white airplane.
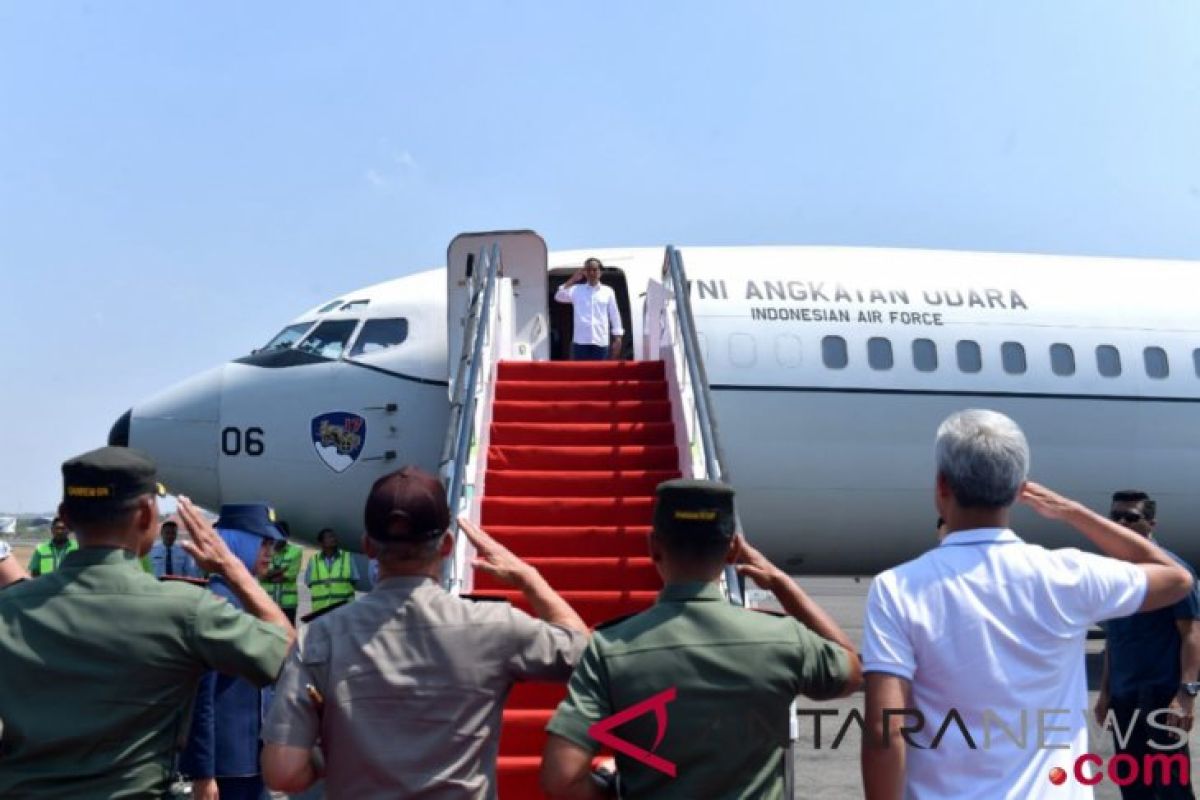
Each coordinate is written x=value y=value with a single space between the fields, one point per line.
x=8 y=526
x=829 y=368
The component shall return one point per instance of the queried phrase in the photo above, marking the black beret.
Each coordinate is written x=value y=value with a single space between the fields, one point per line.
x=688 y=509
x=109 y=477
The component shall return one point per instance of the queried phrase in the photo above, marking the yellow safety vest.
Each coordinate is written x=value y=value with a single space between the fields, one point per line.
x=47 y=558
x=284 y=594
x=331 y=585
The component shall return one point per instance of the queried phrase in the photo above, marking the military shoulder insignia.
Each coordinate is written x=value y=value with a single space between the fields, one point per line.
x=483 y=598
x=309 y=617
x=608 y=623
x=201 y=582
x=768 y=611
x=338 y=437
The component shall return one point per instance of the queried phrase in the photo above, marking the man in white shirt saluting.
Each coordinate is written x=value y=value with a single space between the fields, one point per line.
x=596 y=315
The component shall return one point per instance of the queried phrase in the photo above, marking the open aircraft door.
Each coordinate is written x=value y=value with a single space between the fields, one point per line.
x=523 y=259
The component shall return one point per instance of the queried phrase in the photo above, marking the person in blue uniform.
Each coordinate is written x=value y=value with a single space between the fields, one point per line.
x=221 y=757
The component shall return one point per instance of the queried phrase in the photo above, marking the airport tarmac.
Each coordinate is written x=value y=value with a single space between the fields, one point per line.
x=825 y=772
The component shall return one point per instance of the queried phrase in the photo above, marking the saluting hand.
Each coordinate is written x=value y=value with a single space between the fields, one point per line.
x=1049 y=504
x=494 y=558
x=207 y=548
x=753 y=564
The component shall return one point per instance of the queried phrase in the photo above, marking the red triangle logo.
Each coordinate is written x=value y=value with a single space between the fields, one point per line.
x=602 y=731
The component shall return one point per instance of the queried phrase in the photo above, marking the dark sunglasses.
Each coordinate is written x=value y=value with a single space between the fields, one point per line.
x=1128 y=517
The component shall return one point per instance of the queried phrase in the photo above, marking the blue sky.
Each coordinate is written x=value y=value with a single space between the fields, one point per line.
x=177 y=180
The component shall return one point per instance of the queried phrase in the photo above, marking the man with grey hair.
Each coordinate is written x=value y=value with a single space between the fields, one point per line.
x=985 y=633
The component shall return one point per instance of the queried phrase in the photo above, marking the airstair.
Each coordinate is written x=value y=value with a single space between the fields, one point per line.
x=559 y=460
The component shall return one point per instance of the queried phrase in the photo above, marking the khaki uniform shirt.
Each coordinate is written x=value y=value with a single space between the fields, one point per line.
x=99 y=664
x=735 y=673
x=413 y=681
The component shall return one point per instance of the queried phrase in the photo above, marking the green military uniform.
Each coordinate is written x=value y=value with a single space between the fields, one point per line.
x=47 y=556
x=100 y=661
x=285 y=594
x=733 y=672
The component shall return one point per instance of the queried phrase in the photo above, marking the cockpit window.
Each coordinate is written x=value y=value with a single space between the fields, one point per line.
x=287 y=337
x=329 y=306
x=329 y=338
x=380 y=334
x=355 y=305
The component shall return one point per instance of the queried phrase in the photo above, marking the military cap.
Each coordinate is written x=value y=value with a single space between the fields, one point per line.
x=108 y=478
x=688 y=509
x=406 y=506
x=256 y=518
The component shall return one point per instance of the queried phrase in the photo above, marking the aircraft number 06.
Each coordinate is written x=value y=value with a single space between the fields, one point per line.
x=235 y=442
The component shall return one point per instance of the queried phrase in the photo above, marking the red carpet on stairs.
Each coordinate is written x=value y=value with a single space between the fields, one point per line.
x=575 y=453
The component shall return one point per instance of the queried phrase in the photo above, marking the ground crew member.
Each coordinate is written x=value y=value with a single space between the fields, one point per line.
x=280 y=577
x=168 y=557
x=723 y=675
x=48 y=555
x=331 y=574
x=404 y=687
x=101 y=661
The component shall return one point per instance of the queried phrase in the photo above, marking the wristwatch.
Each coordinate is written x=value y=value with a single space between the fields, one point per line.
x=1190 y=688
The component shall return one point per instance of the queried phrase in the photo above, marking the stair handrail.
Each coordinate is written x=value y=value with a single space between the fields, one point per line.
x=714 y=456
x=715 y=464
x=461 y=428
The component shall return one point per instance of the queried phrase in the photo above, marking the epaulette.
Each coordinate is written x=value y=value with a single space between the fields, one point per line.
x=201 y=582
x=309 y=617
x=608 y=623
x=483 y=598
x=770 y=611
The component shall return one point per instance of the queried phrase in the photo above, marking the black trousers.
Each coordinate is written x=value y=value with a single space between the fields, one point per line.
x=1168 y=787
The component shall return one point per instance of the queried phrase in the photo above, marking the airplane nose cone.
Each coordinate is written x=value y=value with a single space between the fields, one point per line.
x=179 y=428
x=119 y=435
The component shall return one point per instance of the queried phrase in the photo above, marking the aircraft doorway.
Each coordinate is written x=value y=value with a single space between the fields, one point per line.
x=562 y=318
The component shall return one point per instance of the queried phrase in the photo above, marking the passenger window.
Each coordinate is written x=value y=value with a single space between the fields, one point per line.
x=925 y=355
x=1196 y=360
x=380 y=334
x=329 y=338
x=970 y=359
x=742 y=350
x=1012 y=355
x=1156 y=362
x=1108 y=361
x=287 y=337
x=879 y=353
x=1062 y=359
x=787 y=350
x=833 y=352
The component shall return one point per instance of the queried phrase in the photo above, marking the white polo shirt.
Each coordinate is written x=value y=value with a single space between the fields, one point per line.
x=988 y=623
x=596 y=313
